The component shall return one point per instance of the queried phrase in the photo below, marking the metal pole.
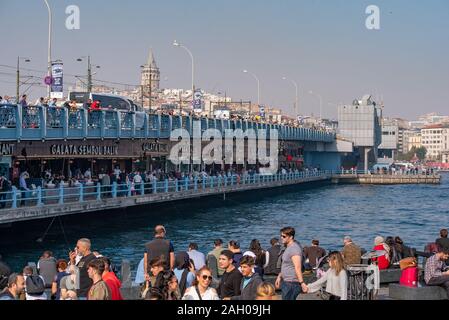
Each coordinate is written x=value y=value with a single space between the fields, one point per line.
x=49 y=45
x=193 y=70
x=321 y=107
x=258 y=85
x=296 y=98
x=258 y=91
x=89 y=75
x=18 y=80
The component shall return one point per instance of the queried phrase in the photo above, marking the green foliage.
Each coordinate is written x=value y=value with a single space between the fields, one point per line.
x=420 y=153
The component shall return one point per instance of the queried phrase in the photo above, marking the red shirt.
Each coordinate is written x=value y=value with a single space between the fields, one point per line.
x=95 y=106
x=114 y=284
x=382 y=262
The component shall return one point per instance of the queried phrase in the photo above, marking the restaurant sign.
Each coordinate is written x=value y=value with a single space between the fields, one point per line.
x=6 y=149
x=83 y=150
x=154 y=147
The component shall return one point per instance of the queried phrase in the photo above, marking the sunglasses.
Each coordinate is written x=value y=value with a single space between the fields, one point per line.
x=206 y=277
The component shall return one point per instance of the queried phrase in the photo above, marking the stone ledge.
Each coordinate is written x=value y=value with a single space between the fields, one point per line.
x=398 y=292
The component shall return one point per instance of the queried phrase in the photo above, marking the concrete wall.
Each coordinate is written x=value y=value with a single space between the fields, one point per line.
x=323 y=160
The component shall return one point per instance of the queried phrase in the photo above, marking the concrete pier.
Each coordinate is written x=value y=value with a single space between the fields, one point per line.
x=385 y=179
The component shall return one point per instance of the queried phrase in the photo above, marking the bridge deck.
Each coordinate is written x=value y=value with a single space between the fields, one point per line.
x=71 y=205
x=36 y=123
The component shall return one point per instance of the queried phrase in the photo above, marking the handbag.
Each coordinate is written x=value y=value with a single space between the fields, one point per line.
x=408 y=263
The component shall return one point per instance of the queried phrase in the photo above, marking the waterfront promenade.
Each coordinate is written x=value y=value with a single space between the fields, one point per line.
x=47 y=203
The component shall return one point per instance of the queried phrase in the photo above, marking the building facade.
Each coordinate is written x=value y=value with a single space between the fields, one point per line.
x=445 y=151
x=360 y=124
x=413 y=140
x=390 y=140
x=433 y=139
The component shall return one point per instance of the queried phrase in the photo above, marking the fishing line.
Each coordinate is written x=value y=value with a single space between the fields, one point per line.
x=63 y=232
x=41 y=239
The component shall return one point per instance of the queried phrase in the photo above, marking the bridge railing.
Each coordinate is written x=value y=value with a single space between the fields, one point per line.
x=40 y=123
x=81 y=192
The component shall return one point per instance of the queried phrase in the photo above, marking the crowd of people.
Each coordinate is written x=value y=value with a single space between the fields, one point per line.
x=124 y=180
x=225 y=273
x=91 y=105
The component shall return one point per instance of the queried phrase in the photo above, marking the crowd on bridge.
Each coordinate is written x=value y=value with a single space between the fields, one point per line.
x=226 y=273
x=125 y=181
x=73 y=106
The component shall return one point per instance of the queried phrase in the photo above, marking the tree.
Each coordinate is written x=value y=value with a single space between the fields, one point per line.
x=421 y=152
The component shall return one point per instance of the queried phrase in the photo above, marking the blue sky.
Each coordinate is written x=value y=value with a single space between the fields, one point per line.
x=323 y=45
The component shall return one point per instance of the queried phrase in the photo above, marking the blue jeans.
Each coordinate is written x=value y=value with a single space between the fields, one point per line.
x=290 y=290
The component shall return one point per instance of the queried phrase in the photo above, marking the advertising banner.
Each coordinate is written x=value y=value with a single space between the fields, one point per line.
x=57 y=87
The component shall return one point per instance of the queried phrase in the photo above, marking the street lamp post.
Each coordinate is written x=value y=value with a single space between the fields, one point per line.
x=18 y=76
x=258 y=85
x=296 y=94
x=49 y=45
x=321 y=102
x=177 y=44
x=89 y=72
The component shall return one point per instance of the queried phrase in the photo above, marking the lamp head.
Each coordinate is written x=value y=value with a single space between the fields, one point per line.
x=176 y=43
x=245 y=71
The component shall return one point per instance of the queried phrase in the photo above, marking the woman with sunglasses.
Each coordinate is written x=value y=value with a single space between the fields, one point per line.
x=335 y=278
x=201 y=290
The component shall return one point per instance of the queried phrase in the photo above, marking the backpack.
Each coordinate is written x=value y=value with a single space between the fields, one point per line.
x=34 y=285
x=213 y=265
x=6 y=186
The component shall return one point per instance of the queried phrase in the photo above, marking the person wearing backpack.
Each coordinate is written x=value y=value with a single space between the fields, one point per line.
x=184 y=271
x=34 y=285
x=273 y=255
x=46 y=266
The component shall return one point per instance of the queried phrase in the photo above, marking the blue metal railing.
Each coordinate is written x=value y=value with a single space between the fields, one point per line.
x=63 y=194
x=40 y=123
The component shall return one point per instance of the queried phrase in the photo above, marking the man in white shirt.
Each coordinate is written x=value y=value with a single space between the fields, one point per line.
x=199 y=260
